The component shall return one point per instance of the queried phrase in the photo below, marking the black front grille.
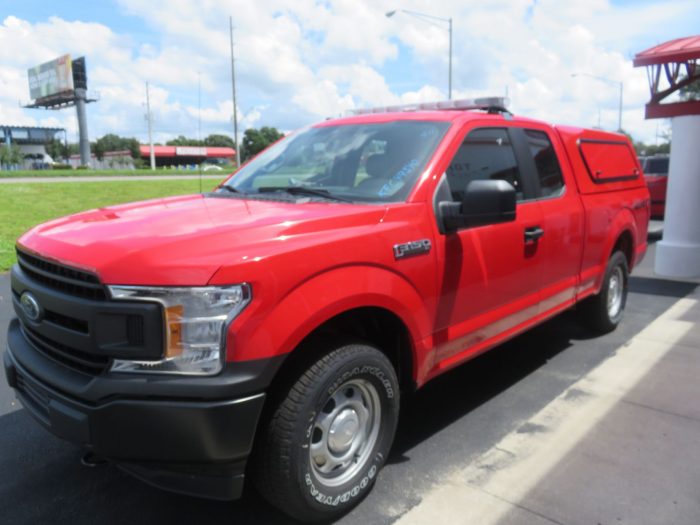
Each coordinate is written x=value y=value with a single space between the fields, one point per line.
x=91 y=364
x=77 y=325
x=34 y=396
x=62 y=278
x=65 y=321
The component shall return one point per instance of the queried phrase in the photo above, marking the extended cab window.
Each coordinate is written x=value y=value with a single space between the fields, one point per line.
x=546 y=163
x=486 y=153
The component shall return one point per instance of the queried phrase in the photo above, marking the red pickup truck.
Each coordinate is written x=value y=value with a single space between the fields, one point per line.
x=268 y=328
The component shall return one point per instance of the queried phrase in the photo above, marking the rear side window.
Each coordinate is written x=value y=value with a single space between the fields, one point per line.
x=609 y=161
x=485 y=154
x=546 y=163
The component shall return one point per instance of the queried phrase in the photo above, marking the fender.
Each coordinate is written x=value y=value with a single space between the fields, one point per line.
x=279 y=330
x=623 y=221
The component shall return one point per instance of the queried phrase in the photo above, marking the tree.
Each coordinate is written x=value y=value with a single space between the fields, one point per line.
x=11 y=155
x=645 y=150
x=254 y=140
x=222 y=141
x=58 y=150
x=112 y=142
x=657 y=149
x=691 y=91
x=181 y=140
x=214 y=140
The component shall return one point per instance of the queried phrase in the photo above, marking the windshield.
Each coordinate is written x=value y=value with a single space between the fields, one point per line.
x=358 y=162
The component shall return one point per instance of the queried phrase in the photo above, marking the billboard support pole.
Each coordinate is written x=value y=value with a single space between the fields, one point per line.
x=80 y=98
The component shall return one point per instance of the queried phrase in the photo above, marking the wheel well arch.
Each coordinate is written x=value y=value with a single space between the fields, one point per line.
x=377 y=326
x=625 y=244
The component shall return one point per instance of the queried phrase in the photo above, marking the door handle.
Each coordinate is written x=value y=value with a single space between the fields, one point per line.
x=534 y=233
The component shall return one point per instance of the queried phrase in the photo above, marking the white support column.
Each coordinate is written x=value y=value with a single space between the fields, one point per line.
x=678 y=253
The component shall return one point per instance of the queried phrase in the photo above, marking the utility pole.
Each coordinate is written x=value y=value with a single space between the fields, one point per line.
x=150 y=128
x=199 y=107
x=199 y=127
x=233 y=89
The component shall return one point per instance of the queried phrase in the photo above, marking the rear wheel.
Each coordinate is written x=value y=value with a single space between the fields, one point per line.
x=329 y=436
x=604 y=311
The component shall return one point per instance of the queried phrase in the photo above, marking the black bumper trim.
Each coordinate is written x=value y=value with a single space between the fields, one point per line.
x=212 y=482
x=193 y=447
x=144 y=430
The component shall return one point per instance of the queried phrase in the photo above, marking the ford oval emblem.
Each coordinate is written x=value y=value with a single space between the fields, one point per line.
x=30 y=306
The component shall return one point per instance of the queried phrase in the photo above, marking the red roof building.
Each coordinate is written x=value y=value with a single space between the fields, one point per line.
x=178 y=155
x=671 y=66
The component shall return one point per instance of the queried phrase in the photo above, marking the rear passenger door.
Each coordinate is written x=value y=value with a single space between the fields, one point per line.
x=561 y=242
x=491 y=274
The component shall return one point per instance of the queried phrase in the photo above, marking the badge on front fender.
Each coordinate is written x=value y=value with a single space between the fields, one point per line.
x=409 y=249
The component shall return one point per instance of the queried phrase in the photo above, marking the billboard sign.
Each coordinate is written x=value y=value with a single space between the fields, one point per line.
x=51 y=78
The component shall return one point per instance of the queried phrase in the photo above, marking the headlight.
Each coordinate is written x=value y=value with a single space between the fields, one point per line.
x=195 y=325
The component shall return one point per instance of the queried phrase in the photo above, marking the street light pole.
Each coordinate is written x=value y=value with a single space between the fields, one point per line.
x=449 y=88
x=619 y=83
x=619 y=112
x=429 y=18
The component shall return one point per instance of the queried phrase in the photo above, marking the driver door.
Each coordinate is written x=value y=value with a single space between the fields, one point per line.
x=489 y=282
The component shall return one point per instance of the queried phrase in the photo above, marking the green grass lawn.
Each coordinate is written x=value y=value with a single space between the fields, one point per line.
x=25 y=205
x=100 y=173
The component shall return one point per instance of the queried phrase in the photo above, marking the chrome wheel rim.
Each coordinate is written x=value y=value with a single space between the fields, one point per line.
x=615 y=292
x=345 y=432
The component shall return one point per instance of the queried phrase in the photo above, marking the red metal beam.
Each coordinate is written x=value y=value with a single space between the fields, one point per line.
x=676 y=109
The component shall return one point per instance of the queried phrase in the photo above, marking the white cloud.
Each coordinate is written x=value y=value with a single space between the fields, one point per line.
x=299 y=61
x=323 y=99
x=363 y=82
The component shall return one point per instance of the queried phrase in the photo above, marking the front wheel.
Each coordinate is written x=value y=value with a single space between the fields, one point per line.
x=327 y=439
x=603 y=312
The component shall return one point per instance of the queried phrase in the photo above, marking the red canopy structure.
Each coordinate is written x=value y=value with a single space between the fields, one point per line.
x=671 y=66
x=188 y=151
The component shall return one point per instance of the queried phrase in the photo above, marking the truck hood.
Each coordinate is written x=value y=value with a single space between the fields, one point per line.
x=184 y=240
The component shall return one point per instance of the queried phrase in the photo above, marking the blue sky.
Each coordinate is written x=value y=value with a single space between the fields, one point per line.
x=300 y=61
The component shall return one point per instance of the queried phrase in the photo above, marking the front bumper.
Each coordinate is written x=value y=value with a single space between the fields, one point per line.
x=180 y=441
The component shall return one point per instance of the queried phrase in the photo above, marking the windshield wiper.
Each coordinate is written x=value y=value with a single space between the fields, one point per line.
x=303 y=190
x=230 y=189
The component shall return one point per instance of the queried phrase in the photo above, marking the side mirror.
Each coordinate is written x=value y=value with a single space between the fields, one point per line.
x=484 y=202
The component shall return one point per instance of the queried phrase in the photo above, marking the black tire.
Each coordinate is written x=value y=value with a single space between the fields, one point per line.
x=294 y=448
x=596 y=311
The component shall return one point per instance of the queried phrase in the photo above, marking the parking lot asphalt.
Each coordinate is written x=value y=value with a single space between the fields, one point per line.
x=446 y=431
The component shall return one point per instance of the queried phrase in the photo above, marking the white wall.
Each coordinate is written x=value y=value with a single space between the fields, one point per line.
x=678 y=253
